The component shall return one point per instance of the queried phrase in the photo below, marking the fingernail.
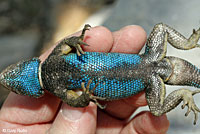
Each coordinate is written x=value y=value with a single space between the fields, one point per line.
x=71 y=113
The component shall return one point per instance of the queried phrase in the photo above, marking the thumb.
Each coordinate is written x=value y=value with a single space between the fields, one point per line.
x=75 y=120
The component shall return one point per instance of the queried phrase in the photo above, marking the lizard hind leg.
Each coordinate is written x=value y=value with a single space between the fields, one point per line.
x=188 y=100
x=159 y=104
x=161 y=34
x=193 y=39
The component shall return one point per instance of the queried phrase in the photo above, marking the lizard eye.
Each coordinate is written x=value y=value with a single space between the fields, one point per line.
x=22 y=78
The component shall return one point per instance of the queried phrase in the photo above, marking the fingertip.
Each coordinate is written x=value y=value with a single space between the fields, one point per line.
x=75 y=120
x=137 y=100
x=122 y=109
x=99 y=39
x=129 y=39
x=145 y=122
x=20 y=109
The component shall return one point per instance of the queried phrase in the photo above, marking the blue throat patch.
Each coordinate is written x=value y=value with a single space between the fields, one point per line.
x=23 y=78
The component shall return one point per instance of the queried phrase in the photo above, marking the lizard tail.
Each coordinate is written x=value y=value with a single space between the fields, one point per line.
x=184 y=73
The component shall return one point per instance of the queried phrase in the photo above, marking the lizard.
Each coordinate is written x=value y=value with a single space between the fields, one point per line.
x=111 y=76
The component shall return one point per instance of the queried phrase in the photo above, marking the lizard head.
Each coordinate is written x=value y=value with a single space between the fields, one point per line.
x=22 y=78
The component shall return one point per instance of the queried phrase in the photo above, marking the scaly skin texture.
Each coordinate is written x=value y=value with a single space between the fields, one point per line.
x=112 y=76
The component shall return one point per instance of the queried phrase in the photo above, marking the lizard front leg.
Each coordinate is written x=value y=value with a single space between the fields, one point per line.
x=160 y=105
x=76 y=42
x=66 y=45
x=75 y=100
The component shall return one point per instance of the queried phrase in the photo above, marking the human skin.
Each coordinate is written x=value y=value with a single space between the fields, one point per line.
x=49 y=115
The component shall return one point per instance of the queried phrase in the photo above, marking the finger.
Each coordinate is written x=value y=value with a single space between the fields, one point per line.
x=107 y=124
x=25 y=110
x=99 y=38
x=146 y=123
x=124 y=108
x=129 y=39
x=6 y=127
x=75 y=120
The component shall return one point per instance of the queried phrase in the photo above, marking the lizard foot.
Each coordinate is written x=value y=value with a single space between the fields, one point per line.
x=76 y=42
x=90 y=92
x=79 y=50
x=189 y=101
x=195 y=37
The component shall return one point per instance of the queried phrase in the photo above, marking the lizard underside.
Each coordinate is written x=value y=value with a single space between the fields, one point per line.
x=111 y=76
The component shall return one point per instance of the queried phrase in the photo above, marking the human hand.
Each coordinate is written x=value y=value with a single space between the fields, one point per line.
x=49 y=115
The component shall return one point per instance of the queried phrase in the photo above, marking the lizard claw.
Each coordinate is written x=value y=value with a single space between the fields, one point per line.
x=93 y=98
x=87 y=27
x=189 y=101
